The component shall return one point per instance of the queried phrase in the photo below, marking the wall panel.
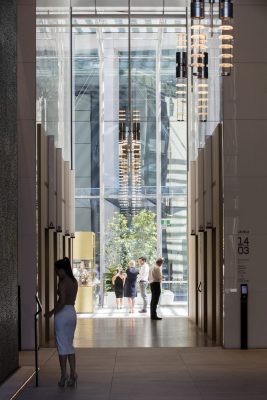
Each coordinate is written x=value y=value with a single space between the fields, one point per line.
x=208 y=183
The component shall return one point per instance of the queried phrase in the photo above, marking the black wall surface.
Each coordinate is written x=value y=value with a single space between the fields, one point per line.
x=8 y=191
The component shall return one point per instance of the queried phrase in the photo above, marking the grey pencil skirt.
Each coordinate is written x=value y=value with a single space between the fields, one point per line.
x=65 y=324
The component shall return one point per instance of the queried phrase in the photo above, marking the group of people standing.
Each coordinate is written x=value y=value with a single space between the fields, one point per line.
x=126 y=285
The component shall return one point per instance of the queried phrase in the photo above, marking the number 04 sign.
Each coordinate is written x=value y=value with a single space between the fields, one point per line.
x=243 y=256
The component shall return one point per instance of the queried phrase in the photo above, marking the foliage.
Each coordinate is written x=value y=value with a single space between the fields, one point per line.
x=117 y=242
x=144 y=236
x=124 y=243
x=108 y=277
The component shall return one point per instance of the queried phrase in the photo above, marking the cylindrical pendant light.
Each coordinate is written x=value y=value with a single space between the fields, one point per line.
x=136 y=162
x=226 y=9
x=203 y=71
x=202 y=101
x=226 y=14
x=198 y=44
x=122 y=125
x=197 y=9
x=202 y=89
x=199 y=57
x=136 y=125
x=123 y=162
x=198 y=48
x=181 y=93
x=211 y=16
x=198 y=35
x=181 y=64
x=181 y=76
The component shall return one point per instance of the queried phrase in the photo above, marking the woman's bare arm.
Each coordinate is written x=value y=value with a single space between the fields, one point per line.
x=113 y=279
x=61 y=300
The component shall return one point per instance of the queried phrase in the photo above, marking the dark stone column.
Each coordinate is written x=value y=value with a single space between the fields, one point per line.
x=8 y=191
x=26 y=129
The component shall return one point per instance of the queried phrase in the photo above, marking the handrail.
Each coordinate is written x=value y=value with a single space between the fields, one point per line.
x=39 y=309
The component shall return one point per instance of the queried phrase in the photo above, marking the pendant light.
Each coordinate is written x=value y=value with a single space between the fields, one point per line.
x=181 y=76
x=197 y=9
x=226 y=14
x=211 y=16
x=129 y=147
x=198 y=46
x=202 y=89
x=136 y=162
x=199 y=57
x=202 y=100
x=123 y=162
x=198 y=36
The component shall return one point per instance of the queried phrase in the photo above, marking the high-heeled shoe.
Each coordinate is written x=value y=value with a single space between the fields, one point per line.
x=72 y=382
x=63 y=380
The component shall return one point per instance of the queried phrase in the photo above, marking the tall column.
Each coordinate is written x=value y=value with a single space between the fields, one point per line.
x=245 y=176
x=158 y=142
x=8 y=191
x=26 y=128
x=101 y=163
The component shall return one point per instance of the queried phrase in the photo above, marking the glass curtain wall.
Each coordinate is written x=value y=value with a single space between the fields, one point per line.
x=53 y=82
x=173 y=141
x=100 y=98
x=86 y=122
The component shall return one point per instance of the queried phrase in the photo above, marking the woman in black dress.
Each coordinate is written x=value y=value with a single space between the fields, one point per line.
x=130 y=285
x=118 y=281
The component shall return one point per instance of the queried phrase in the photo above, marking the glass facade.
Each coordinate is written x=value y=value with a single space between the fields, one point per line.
x=101 y=81
x=53 y=66
x=92 y=59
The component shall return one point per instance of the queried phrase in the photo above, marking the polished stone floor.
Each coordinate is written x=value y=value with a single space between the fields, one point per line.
x=158 y=374
x=138 y=359
x=164 y=311
x=136 y=331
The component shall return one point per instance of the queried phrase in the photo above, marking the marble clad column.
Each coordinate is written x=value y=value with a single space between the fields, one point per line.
x=8 y=191
x=245 y=176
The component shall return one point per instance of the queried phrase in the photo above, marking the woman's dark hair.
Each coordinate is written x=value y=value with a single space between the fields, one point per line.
x=64 y=263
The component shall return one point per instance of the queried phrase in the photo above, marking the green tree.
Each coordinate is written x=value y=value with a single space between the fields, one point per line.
x=144 y=236
x=117 y=242
x=124 y=243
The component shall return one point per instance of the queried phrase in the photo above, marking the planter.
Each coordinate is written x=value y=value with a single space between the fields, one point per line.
x=166 y=299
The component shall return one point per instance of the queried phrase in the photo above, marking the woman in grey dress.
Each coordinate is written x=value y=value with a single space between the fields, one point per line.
x=130 y=290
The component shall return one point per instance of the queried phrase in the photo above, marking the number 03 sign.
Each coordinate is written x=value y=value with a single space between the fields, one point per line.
x=243 y=245
x=243 y=255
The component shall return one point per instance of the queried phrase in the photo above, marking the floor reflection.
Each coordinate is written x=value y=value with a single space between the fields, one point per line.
x=138 y=332
x=164 y=311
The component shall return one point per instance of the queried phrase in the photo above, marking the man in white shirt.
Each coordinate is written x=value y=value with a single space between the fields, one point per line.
x=155 y=278
x=143 y=281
